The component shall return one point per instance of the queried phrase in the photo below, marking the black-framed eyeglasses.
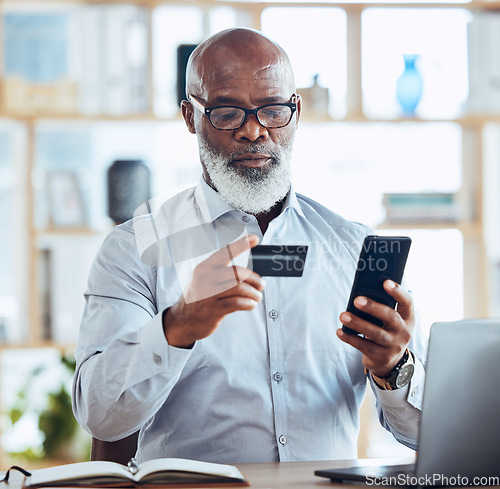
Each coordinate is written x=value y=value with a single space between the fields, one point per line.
x=230 y=117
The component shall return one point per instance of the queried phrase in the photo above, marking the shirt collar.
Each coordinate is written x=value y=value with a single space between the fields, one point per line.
x=212 y=205
x=292 y=202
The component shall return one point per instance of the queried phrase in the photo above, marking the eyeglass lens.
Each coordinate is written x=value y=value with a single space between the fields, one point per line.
x=272 y=116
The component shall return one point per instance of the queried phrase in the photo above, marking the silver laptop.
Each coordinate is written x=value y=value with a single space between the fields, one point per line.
x=459 y=436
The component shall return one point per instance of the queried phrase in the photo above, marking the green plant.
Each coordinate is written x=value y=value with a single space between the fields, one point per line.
x=46 y=398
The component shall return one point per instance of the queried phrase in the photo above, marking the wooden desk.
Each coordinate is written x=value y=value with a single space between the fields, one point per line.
x=300 y=475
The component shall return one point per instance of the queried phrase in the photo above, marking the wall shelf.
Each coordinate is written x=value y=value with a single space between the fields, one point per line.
x=472 y=125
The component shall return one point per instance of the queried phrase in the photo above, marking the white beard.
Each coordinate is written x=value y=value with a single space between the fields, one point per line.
x=251 y=190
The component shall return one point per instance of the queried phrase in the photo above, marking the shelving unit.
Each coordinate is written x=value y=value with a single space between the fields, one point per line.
x=476 y=264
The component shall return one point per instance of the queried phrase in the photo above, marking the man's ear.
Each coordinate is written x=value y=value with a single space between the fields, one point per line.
x=299 y=110
x=188 y=115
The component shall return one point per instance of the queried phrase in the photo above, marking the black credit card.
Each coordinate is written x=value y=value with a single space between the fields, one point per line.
x=278 y=260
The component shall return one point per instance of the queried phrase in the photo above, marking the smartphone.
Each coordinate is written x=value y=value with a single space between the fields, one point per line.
x=381 y=258
x=278 y=260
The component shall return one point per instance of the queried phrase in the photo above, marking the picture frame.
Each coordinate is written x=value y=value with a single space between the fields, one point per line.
x=65 y=199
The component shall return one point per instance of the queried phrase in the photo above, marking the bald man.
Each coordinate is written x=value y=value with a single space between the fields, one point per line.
x=183 y=341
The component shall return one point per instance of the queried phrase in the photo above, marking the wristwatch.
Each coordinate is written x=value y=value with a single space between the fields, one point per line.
x=399 y=376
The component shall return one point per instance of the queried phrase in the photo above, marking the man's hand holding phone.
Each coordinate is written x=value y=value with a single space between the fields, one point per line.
x=380 y=318
x=382 y=347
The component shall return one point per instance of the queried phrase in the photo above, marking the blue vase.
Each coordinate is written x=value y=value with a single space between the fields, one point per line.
x=409 y=86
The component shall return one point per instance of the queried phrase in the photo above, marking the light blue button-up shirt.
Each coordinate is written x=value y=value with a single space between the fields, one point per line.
x=271 y=384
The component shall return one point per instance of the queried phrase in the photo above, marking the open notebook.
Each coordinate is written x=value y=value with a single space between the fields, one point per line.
x=459 y=437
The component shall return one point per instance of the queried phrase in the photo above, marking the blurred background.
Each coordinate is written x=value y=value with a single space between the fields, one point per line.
x=401 y=130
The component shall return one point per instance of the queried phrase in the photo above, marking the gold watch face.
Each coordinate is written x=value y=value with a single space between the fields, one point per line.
x=405 y=375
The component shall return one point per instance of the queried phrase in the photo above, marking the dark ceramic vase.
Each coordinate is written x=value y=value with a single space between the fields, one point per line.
x=129 y=184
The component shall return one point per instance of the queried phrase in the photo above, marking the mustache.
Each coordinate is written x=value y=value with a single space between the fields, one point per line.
x=253 y=149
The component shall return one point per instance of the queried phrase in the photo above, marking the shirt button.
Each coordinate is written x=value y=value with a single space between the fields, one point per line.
x=282 y=439
x=245 y=218
x=157 y=359
x=273 y=314
x=277 y=377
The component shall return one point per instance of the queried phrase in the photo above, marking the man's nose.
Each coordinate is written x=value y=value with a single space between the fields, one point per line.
x=251 y=130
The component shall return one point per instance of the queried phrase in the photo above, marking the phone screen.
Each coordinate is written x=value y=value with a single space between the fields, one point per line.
x=381 y=258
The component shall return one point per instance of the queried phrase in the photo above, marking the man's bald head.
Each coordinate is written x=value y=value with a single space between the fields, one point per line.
x=227 y=52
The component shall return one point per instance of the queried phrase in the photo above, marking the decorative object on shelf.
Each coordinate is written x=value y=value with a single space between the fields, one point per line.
x=36 y=45
x=421 y=207
x=3 y=330
x=66 y=205
x=315 y=100
x=483 y=35
x=113 y=56
x=45 y=289
x=25 y=97
x=409 y=86
x=183 y=53
x=38 y=73
x=129 y=186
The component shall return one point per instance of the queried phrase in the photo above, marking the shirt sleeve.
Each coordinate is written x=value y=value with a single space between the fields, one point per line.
x=125 y=369
x=400 y=410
